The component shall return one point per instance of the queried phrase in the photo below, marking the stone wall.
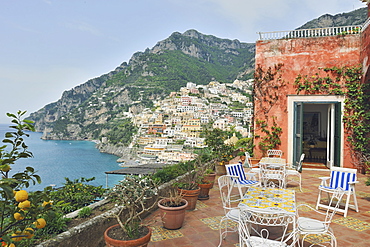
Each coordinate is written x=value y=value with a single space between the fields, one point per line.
x=90 y=233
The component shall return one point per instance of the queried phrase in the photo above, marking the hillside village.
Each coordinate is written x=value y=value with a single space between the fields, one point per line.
x=169 y=133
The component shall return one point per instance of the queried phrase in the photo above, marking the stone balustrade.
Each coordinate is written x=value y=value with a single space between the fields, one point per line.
x=310 y=33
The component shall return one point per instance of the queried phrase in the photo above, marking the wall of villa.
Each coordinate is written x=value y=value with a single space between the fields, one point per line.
x=302 y=56
x=365 y=51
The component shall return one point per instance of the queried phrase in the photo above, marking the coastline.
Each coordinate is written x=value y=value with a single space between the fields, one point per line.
x=123 y=152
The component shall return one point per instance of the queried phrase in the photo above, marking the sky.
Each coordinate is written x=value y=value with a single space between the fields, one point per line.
x=50 y=46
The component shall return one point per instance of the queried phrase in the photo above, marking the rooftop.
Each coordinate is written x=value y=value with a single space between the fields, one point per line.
x=201 y=226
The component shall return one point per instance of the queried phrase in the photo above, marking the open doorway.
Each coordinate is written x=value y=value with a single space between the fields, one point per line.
x=315 y=136
x=316 y=129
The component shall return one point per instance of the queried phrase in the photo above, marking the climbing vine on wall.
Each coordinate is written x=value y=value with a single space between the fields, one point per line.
x=345 y=81
x=266 y=93
x=271 y=139
x=266 y=85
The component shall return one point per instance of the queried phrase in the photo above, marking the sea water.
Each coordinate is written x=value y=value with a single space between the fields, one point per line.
x=53 y=160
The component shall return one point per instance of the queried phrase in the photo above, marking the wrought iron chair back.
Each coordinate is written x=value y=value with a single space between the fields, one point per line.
x=273 y=172
x=274 y=153
x=250 y=218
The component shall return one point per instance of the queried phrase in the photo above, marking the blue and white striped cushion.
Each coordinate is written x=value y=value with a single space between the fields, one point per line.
x=236 y=170
x=341 y=179
x=247 y=182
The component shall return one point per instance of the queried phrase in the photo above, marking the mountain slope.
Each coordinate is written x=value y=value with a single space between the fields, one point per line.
x=100 y=105
x=356 y=17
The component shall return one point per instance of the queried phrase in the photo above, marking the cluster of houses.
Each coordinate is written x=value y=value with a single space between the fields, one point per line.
x=170 y=132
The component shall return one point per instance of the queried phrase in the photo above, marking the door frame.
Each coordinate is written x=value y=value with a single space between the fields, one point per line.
x=323 y=99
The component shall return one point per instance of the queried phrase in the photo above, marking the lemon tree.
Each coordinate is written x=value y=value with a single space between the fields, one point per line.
x=21 y=212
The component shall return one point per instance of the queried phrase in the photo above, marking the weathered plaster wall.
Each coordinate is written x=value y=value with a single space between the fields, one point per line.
x=303 y=56
x=365 y=52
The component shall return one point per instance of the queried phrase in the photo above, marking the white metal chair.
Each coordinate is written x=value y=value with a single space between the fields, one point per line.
x=273 y=173
x=295 y=171
x=248 y=164
x=231 y=212
x=243 y=179
x=274 y=153
x=344 y=178
x=250 y=218
x=309 y=226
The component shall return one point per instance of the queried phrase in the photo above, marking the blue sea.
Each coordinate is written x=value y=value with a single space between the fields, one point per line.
x=55 y=160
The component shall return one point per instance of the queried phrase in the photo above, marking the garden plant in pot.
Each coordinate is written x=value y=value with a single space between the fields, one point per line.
x=210 y=174
x=135 y=195
x=189 y=187
x=173 y=210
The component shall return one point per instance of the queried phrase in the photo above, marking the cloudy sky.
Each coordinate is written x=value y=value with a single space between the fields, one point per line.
x=49 y=46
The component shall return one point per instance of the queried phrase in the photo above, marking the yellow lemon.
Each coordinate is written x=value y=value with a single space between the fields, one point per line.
x=9 y=245
x=18 y=216
x=40 y=223
x=17 y=234
x=25 y=204
x=29 y=232
x=46 y=203
x=21 y=196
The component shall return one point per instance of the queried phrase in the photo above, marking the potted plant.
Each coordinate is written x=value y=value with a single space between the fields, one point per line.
x=188 y=188
x=173 y=211
x=135 y=195
x=210 y=175
x=205 y=186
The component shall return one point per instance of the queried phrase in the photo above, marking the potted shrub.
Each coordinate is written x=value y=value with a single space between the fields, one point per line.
x=210 y=175
x=189 y=192
x=173 y=211
x=204 y=186
x=189 y=187
x=135 y=195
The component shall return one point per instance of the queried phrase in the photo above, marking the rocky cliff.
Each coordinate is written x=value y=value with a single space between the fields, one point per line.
x=102 y=106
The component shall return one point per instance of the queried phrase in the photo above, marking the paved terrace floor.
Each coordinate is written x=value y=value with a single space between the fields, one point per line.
x=201 y=226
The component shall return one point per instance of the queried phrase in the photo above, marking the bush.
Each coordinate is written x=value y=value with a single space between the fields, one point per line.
x=76 y=194
x=85 y=212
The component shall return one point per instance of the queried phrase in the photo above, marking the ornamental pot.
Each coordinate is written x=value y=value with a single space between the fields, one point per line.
x=140 y=242
x=211 y=177
x=204 y=191
x=172 y=217
x=191 y=196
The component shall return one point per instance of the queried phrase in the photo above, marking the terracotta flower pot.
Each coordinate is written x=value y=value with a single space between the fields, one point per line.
x=172 y=217
x=204 y=191
x=140 y=242
x=191 y=196
x=211 y=177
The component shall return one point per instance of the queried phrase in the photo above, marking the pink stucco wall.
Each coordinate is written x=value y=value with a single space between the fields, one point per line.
x=303 y=56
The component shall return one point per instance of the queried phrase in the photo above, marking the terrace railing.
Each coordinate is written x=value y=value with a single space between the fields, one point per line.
x=366 y=24
x=310 y=33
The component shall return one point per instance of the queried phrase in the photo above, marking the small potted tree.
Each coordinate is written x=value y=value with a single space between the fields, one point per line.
x=210 y=174
x=188 y=188
x=135 y=195
x=173 y=211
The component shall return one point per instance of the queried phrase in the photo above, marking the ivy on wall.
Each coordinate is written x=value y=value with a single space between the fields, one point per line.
x=266 y=94
x=345 y=81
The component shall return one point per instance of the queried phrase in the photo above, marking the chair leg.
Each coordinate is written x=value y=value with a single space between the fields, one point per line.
x=347 y=203
x=300 y=182
x=355 y=199
x=318 y=200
